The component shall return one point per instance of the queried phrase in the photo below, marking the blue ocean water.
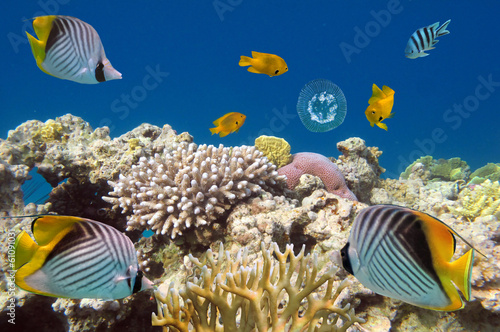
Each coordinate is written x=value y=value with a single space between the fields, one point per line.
x=179 y=61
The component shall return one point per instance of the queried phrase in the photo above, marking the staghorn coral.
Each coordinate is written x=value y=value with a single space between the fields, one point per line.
x=192 y=186
x=320 y=166
x=480 y=200
x=268 y=296
x=277 y=150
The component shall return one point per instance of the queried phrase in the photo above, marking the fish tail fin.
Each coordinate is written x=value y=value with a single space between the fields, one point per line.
x=25 y=248
x=442 y=29
x=460 y=273
x=377 y=95
x=382 y=125
x=214 y=130
x=388 y=91
x=245 y=61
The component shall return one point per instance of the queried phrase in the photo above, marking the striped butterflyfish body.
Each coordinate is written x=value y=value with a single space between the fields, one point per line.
x=77 y=258
x=70 y=49
x=406 y=255
x=424 y=39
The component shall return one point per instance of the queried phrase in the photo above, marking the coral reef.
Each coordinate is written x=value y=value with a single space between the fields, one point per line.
x=231 y=295
x=277 y=150
x=360 y=166
x=192 y=186
x=452 y=169
x=479 y=200
x=320 y=166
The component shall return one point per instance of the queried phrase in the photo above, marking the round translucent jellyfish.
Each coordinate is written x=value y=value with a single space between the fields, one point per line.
x=321 y=106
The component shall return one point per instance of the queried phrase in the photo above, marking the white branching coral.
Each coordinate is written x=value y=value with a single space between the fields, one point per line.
x=228 y=295
x=191 y=185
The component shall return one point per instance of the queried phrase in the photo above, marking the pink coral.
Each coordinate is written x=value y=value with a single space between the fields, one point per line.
x=320 y=166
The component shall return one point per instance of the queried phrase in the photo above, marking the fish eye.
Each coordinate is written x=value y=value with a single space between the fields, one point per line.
x=373 y=112
x=276 y=71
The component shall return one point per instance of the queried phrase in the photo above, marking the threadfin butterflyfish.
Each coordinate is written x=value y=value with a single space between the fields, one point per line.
x=406 y=255
x=424 y=39
x=380 y=107
x=70 y=49
x=228 y=123
x=77 y=258
x=264 y=63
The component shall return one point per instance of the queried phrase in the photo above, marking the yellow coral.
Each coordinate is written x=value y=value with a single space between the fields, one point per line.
x=480 y=200
x=228 y=295
x=276 y=149
x=134 y=143
x=51 y=131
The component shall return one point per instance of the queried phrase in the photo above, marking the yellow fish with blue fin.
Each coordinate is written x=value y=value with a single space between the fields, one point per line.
x=264 y=63
x=229 y=123
x=406 y=255
x=70 y=49
x=381 y=103
x=77 y=258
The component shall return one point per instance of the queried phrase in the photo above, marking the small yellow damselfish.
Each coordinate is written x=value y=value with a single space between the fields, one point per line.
x=380 y=108
x=229 y=123
x=264 y=63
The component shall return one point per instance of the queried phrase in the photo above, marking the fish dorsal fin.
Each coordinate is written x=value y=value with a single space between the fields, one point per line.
x=42 y=26
x=51 y=227
x=25 y=249
x=257 y=55
x=377 y=95
x=388 y=91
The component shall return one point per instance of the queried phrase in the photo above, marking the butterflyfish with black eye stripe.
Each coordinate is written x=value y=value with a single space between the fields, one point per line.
x=228 y=123
x=381 y=103
x=77 y=258
x=70 y=49
x=406 y=255
x=264 y=63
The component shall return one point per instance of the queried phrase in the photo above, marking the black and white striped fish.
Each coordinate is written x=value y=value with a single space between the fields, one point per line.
x=70 y=49
x=77 y=258
x=424 y=39
x=405 y=254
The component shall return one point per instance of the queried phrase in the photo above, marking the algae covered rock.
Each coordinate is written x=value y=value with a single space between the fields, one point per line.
x=276 y=149
x=490 y=171
x=452 y=169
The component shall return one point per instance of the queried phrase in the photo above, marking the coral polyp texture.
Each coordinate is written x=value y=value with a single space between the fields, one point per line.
x=229 y=295
x=190 y=186
x=320 y=166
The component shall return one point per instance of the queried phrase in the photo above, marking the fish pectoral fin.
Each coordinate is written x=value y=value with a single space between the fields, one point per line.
x=25 y=248
x=52 y=227
x=460 y=273
x=382 y=125
x=223 y=133
x=372 y=123
x=390 y=116
x=245 y=61
x=253 y=70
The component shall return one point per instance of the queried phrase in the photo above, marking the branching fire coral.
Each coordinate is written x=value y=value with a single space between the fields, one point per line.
x=228 y=295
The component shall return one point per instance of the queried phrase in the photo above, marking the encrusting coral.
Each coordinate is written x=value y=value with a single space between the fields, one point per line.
x=190 y=186
x=269 y=296
x=277 y=150
x=320 y=166
x=480 y=200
